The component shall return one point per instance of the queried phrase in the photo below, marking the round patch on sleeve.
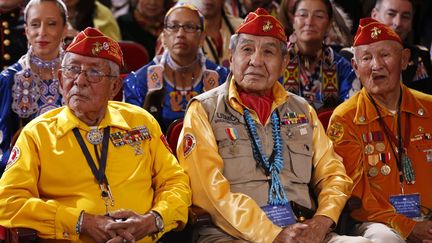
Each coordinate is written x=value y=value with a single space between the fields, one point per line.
x=14 y=156
x=335 y=131
x=189 y=143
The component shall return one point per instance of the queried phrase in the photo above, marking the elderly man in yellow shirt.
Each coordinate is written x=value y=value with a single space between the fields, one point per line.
x=73 y=168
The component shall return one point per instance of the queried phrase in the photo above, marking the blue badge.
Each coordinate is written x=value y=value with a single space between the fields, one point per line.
x=281 y=216
x=408 y=204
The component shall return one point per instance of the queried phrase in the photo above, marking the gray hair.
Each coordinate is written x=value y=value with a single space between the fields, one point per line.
x=235 y=38
x=60 y=5
x=114 y=67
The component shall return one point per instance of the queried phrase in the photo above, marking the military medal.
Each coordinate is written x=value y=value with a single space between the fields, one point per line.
x=95 y=136
x=373 y=159
x=137 y=147
x=233 y=136
x=428 y=155
x=380 y=147
x=373 y=171
x=385 y=170
x=369 y=149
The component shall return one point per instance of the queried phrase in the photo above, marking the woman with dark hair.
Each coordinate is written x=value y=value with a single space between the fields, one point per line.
x=315 y=71
x=92 y=13
x=165 y=85
x=30 y=87
x=144 y=23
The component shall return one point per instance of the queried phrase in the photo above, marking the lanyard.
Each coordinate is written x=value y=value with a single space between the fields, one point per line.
x=99 y=174
x=397 y=141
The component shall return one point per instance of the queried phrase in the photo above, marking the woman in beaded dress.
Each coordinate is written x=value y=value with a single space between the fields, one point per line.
x=30 y=87
x=315 y=71
x=165 y=85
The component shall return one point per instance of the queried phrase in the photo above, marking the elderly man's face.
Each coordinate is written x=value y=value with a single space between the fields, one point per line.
x=82 y=96
x=397 y=14
x=257 y=63
x=379 y=65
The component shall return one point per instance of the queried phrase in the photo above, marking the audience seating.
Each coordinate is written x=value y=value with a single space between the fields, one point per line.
x=134 y=55
x=324 y=117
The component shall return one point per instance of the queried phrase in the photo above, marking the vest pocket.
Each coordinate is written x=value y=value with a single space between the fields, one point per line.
x=300 y=162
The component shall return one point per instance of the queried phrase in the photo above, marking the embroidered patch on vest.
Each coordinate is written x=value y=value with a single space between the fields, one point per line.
x=189 y=143
x=14 y=156
x=335 y=132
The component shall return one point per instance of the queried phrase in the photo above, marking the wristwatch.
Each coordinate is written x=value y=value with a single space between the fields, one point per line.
x=158 y=219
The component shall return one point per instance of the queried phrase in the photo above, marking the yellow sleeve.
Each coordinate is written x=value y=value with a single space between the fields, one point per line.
x=375 y=208
x=20 y=205
x=331 y=183
x=235 y=213
x=171 y=184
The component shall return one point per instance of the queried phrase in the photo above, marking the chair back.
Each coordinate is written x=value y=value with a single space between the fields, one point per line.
x=2 y=233
x=324 y=117
x=173 y=133
x=134 y=55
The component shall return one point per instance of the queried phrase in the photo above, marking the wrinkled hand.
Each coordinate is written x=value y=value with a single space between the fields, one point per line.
x=95 y=227
x=290 y=233
x=312 y=230
x=422 y=232
x=136 y=225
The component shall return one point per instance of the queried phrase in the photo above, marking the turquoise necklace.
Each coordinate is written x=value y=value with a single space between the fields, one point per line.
x=273 y=165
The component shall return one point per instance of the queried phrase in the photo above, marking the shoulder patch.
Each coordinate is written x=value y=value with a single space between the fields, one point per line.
x=14 y=156
x=335 y=131
x=189 y=143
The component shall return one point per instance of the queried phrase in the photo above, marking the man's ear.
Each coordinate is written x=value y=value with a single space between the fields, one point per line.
x=374 y=13
x=117 y=84
x=406 y=54
x=354 y=66
x=60 y=78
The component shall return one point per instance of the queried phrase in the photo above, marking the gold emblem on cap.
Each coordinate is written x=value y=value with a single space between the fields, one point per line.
x=375 y=32
x=267 y=26
x=97 y=47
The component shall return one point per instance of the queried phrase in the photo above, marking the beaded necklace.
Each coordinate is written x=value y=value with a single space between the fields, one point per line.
x=31 y=94
x=273 y=165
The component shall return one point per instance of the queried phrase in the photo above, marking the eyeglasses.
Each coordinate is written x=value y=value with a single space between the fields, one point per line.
x=93 y=75
x=188 y=28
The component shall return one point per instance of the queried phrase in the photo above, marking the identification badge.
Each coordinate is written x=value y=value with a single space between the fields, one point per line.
x=281 y=216
x=408 y=204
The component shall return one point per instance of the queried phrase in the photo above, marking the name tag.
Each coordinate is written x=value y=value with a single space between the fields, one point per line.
x=281 y=216
x=408 y=204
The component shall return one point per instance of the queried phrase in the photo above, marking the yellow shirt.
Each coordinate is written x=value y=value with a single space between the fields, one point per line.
x=50 y=183
x=234 y=204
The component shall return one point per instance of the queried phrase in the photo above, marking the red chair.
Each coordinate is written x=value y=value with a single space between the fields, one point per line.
x=2 y=233
x=173 y=133
x=324 y=117
x=134 y=55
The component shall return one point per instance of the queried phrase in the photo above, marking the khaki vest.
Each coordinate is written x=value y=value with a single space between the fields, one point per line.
x=240 y=168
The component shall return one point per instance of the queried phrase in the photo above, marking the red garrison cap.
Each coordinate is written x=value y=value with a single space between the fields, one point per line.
x=370 y=31
x=92 y=43
x=262 y=23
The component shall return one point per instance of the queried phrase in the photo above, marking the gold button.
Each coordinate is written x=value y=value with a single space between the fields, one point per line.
x=362 y=119
x=6 y=57
x=5 y=24
x=420 y=111
x=6 y=42
x=6 y=31
x=13 y=15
